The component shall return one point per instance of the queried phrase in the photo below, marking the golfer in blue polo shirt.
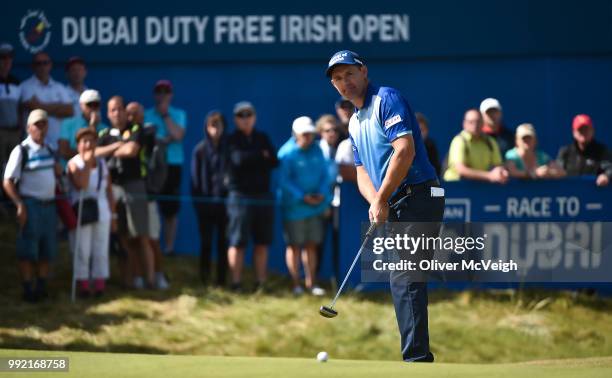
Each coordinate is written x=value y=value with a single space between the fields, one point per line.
x=396 y=178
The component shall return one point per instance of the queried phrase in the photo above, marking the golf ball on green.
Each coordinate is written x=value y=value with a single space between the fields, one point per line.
x=322 y=356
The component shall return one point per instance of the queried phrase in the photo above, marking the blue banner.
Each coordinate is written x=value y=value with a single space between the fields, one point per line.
x=570 y=211
x=190 y=31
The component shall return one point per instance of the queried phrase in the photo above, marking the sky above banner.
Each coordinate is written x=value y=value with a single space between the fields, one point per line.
x=189 y=31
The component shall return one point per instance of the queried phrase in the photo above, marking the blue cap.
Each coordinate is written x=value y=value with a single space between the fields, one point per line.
x=343 y=57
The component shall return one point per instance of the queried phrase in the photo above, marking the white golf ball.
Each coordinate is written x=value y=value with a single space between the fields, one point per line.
x=322 y=356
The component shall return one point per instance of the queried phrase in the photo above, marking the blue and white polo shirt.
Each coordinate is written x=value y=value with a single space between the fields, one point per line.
x=38 y=177
x=385 y=117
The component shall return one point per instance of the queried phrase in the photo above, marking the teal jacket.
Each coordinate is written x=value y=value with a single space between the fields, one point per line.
x=303 y=172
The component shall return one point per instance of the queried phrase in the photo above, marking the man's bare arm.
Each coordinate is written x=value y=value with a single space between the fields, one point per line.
x=366 y=188
x=106 y=151
x=176 y=132
x=11 y=191
x=399 y=165
x=57 y=109
x=128 y=150
x=472 y=174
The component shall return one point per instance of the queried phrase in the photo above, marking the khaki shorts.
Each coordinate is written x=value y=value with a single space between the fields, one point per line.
x=308 y=230
x=132 y=208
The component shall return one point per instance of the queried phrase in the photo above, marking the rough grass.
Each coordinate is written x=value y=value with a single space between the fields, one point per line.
x=468 y=327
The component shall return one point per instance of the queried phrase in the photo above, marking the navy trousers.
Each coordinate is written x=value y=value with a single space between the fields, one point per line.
x=423 y=214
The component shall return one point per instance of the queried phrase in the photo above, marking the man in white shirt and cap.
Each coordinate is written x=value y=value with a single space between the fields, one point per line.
x=29 y=181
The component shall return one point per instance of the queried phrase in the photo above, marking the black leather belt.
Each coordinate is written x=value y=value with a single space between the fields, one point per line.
x=408 y=189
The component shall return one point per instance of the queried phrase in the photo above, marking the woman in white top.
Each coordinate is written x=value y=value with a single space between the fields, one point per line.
x=91 y=176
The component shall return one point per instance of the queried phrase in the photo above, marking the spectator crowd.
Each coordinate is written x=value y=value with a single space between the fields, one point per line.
x=115 y=186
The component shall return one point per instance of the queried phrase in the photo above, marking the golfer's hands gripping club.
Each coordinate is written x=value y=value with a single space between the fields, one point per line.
x=379 y=212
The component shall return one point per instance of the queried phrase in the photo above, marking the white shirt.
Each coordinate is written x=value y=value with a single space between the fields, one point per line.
x=74 y=99
x=9 y=101
x=344 y=154
x=325 y=148
x=38 y=177
x=52 y=92
x=104 y=213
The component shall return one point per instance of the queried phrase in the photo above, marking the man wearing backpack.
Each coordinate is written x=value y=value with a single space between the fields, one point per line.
x=474 y=155
x=154 y=160
x=170 y=123
x=29 y=181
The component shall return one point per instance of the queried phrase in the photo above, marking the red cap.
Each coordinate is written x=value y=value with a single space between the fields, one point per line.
x=74 y=60
x=163 y=84
x=581 y=120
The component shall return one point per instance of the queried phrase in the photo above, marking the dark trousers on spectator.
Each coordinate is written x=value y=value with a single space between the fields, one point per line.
x=410 y=295
x=212 y=218
x=331 y=227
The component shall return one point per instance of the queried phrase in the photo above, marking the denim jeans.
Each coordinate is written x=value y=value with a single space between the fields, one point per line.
x=37 y=239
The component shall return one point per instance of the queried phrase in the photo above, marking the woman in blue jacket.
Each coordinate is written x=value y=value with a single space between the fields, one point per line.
x=305 y=196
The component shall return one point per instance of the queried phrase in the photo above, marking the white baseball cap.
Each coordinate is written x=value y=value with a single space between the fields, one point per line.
x=303 y=125
x=524 y=130
x=243 y=105
x=36 y=116
x=490 y=103
x=89 y=95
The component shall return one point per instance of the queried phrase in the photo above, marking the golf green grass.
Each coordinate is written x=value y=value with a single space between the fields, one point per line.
x=87 y=364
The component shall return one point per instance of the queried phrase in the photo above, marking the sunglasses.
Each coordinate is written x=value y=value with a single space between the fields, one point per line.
x=42 y=62
x=40 y=124
x=93 y=105
x=162 y=91
x=244 y=114
x=330 y=130
x=584 y=129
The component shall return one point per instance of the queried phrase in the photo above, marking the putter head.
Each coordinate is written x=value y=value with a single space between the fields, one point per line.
x=328 y=312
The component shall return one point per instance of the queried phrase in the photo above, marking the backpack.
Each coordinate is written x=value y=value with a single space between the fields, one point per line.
x=63 y=207
x=24 y=156
x=153 y=157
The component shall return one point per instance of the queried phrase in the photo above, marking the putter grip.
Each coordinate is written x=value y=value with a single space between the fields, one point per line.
x=371 y=229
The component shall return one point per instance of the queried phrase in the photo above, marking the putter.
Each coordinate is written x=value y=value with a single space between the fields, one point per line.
x=328 y=311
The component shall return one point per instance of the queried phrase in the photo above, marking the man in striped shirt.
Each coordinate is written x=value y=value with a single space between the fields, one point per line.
x=395 y=176
x=29 y=181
